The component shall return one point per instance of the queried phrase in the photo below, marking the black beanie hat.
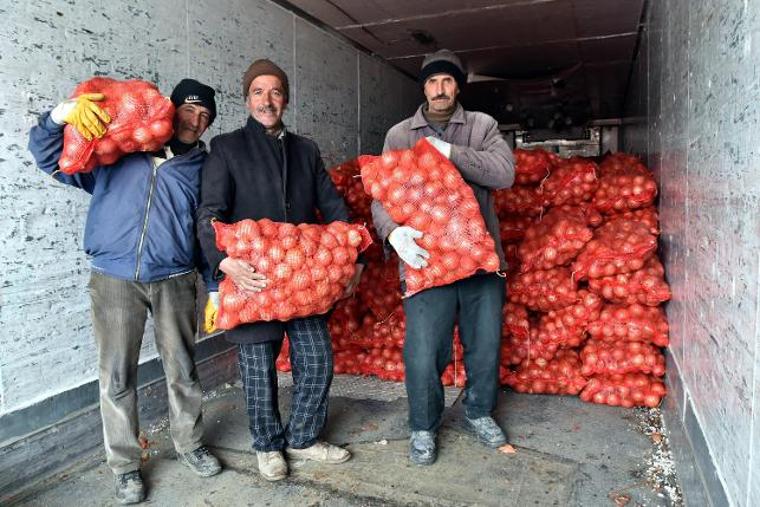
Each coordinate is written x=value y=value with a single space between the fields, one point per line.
x=446 y=62
x=190 y=91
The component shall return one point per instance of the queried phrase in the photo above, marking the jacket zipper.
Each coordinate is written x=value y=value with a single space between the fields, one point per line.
x=141 y=243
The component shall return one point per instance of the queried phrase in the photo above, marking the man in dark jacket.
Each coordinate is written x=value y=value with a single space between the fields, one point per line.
x=472 y=142
x=264 y=171
x=141 y=239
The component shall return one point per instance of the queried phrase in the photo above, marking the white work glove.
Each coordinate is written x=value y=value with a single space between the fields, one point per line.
x=402 y=240
x=441 y=146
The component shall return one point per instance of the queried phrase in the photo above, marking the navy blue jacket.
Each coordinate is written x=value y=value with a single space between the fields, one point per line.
x=141 y=221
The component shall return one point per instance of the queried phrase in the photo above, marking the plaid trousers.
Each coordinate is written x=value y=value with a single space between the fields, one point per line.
x=312 y=362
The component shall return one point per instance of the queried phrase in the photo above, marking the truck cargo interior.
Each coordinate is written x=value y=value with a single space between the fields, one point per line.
x=630 y=352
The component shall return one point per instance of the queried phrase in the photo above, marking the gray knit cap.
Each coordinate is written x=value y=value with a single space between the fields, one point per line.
x=443 y=61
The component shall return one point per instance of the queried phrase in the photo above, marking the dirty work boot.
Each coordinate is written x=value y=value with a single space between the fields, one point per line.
x=130 y=488
x=272 y=466
x=201 y=461
x=322 y=452
x=487 y=431
x=422 y=449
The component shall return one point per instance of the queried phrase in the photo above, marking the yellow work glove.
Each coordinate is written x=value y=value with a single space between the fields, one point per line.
x=82 y=112
x=209 y=317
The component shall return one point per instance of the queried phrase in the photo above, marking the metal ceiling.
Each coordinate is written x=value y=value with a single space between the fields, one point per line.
x=540 y=63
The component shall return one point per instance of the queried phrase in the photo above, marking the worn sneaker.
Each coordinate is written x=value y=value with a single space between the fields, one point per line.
x=130 y=488
x=201 y=461
x=322 y=452
x=487 y=431
x=272 y=466
x=422 y=450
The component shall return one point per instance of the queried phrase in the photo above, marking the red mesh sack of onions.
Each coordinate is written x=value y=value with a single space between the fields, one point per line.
x=388 y=332
x=518 y=200
x=633 y=323
x=615 y=163
x=560 y=375
x=518 y=348
x=566 y=327
x=648 y=216
x=422 y=189
x=282 y=363
x=348 y=182
x=378 y=288
x=603 y=358
x=626 y=390
x=454 y=375
x=512 y=228
x=515 y=320
x=532 y=166
x=141 y=120
x=308 y=267
x=619 y=246
x=627 y=189
x=584 y=211
x=646 y=286
x=544 y=290
x=344 y=323
x=385 y=362
x=349 y=361
x=573 y=181
x=554 y=240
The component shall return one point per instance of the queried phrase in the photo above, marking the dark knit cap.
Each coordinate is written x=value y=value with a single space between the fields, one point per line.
x=265 y=67
x=443 y=61
x=190 y=91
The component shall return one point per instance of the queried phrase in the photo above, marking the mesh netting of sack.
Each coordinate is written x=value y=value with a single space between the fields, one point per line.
x=560 y=375
x=422 y=189
x=635 y=322
x=572 y=181
x=544 y=290
x=518 y=200
x=567 y=326
x=554 y=240
x=606 y=358
x=533 y=166
x=308 y=267
x=618 y=246
x=625 y=187
x=624 y=390
x=378 y=289
x=141 y=120
x=646 y=286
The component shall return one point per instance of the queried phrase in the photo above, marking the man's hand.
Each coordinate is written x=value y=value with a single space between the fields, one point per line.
x=402 y=240
x=441 y=146
x=82 y=112
x=243 y=274
x=212 y=307
x=354 y=282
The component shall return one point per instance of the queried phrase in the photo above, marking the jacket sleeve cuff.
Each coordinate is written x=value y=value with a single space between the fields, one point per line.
x=48 y=124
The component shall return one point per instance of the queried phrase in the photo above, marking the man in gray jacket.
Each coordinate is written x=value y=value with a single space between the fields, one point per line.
x=472 y=142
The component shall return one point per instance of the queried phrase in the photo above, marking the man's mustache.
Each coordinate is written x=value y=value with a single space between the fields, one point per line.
x=442 y=96
x=266 y=109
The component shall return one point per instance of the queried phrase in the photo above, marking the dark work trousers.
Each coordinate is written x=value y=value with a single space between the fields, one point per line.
x=430 y=317
x=312 y=362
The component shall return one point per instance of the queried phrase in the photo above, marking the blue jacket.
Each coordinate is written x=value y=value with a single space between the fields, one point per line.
x=140 y=225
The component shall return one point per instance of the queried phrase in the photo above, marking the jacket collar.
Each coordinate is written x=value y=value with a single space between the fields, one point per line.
x=255 y=127
x=419 y=121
